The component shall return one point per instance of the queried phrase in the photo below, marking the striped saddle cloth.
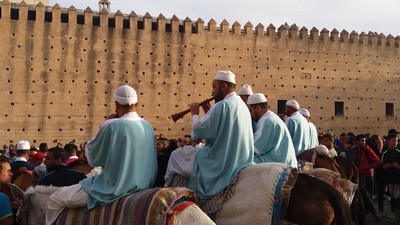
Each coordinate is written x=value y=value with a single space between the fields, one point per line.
x=148 y=207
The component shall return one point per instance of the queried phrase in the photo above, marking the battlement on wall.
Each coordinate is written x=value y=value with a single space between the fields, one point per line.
x=132 y=21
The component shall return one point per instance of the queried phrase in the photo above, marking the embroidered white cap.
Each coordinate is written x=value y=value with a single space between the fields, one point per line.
x=304 y=112
x=23 y=145
x=245 y=90
x=125 y=95
x=225 y=75
x=293 y=103
x=256 y=98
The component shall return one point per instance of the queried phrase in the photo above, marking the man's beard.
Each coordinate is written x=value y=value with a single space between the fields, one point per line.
x=219 y=96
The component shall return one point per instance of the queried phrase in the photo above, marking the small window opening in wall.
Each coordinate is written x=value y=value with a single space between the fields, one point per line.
x=168 y=28
x=80 y=19
x=96 y=21
x=126 y=24
x=111 y=22
x=64 y=17
x=281 y=106
x=154 y=26
x=14 y=14
x=339 y=108
x=389 y=109
x=48 y=16
x=31 y=15
x=140 y=25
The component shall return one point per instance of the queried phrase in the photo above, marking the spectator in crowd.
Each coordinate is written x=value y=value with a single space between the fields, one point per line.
x=32 y=152
x=395 y=132
x=343 y=145
x=6 y=214
x=351 y=138
x=43 y=148
x=163 y=154
x=57 y=173
x=82 y=146
x=376 y=144
x=71 y=151
x=21 y=160
x=5 y=151
x=12 y=152
x=365 y=160
x=327 y=141
x=37 y=161
x=173 y=144
x=391 y=170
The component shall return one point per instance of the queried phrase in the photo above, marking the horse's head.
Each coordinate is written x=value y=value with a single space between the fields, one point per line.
x=23 y=200
x=33 y=203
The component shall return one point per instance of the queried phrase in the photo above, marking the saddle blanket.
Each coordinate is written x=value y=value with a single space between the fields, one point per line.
x=345 y=187
x=148 y=207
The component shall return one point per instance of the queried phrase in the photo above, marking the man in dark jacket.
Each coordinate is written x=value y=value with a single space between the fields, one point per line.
x=57 y=173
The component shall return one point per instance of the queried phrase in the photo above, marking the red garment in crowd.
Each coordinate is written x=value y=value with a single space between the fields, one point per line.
x=366 y=160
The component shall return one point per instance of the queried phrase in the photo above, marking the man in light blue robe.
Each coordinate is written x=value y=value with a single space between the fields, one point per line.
x=229 y=146
x=124 y=148
x=314 y=142
x=298 y=127
x=272 y=141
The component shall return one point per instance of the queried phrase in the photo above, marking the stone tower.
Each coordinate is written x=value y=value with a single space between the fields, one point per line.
x=32 y=2
x=104 y=4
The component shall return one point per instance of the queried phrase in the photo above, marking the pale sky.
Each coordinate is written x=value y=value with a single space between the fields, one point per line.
x=351 y=15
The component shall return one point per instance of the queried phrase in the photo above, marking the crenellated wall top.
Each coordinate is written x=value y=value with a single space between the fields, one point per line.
x=175 y=24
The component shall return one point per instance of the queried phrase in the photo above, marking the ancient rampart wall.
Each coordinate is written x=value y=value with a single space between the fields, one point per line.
x=60 y=66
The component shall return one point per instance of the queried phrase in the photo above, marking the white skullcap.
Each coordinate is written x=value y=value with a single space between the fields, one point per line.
x=294 y=104
x=245 y=90
x=125 y=95
x=225 y=75
x=304 y=112
x=256 y=98
x=322 y=150
x=23 y=145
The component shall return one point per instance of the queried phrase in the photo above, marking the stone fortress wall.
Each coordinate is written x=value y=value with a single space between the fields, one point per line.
x=32 y=2
x=59 y=68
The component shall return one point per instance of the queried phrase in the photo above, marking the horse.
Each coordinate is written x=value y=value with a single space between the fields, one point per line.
x=289 y=198
x=166 y=206
x=273 y=193
x=347 y=170
x=310 y=200
x=170 y=206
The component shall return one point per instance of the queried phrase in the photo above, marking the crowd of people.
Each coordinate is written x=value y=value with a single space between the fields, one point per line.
x=237 y=131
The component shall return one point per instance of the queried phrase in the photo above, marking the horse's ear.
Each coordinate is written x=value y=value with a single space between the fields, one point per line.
x=17 y=193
